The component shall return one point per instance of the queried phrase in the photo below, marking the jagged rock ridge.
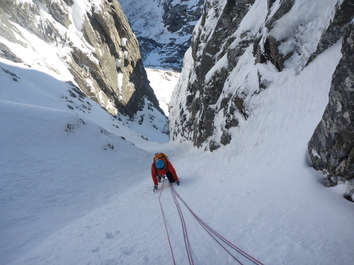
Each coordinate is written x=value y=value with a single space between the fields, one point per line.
x=94 y=40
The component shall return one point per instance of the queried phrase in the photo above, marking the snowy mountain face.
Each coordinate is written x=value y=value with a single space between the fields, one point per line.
x=88 y=43
x=240 y=49
x=75 y=181
x=163 y=28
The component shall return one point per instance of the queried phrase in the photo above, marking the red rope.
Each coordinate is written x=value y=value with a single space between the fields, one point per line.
x=205 y=226
x=164 y=220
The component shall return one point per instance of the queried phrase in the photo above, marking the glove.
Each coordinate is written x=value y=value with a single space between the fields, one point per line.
x=155 y=188
x=177 y=182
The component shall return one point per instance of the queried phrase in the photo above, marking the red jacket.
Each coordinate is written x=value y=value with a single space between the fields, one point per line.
x=155 y=172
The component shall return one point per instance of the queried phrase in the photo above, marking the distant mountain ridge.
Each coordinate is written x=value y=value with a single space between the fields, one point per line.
x=163 y=28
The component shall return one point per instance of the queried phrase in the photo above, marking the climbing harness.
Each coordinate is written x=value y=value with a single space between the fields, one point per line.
x=220 y=240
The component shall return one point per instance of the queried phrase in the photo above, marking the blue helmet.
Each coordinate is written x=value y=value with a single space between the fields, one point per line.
x=159 y=164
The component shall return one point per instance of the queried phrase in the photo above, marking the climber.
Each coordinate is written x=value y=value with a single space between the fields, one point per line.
x=161 y=166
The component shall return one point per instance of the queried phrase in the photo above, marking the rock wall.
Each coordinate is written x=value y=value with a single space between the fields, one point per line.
x=331 y=147
x=213 y=41
x=230 y=42
x=103 y=56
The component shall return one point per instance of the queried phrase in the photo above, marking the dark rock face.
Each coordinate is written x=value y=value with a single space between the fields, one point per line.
x=269 y=50
x=105 y=62
x=202 y=95
x=228 y=39
x=331 y=147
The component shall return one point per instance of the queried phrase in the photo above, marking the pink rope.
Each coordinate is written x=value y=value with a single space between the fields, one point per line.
x=205 y=226
x=164 y=220
x=184 y=227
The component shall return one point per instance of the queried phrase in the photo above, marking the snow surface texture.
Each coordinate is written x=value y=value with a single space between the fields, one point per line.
x=75 y=185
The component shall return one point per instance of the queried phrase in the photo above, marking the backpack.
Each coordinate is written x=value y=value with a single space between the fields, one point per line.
x=161 y=156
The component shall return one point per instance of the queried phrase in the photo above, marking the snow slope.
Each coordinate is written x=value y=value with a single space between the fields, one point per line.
x=163 y=82
x=50 y=156
x=67 y=197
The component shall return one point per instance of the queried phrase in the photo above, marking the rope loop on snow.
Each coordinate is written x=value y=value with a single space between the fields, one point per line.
x=216 y=235
x=184 y=227
x=220 y=240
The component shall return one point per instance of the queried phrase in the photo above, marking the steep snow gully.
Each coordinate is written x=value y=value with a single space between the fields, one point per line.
x=77 y=190
x=75 y=184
